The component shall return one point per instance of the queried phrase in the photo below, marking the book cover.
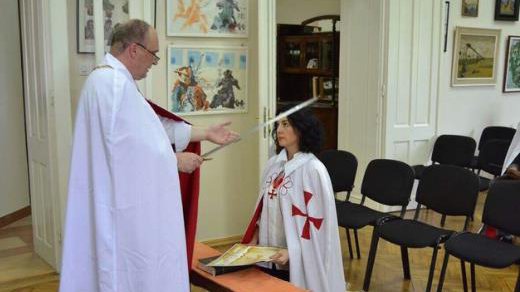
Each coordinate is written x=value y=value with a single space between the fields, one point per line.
x=217 y=270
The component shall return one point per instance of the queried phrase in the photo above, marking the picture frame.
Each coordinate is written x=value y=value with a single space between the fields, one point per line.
x=114 y=12
x=512 y=65
x=507 y=10
x=208 y=18
x=475 y=56
x=207 y=79
x=469 y=8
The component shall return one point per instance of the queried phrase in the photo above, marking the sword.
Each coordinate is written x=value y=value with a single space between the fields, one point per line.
x=261 y=126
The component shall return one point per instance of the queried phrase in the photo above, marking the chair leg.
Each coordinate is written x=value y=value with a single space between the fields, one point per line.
x=371 y=259
x=473 y=286
x=406 y=262
x=464 y=278
x=443 y=220
x=432 y=268
x=517 y=288
x=443 y=271
x=349 y=242
x=357 y=244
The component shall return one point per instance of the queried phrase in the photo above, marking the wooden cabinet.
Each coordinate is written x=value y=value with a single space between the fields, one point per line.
x=308 y=67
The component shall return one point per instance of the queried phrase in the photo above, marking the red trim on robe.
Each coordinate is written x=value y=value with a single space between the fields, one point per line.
x=189 y=183
x=251 y=228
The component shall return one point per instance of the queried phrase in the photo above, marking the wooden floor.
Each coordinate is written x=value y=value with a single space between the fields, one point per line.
x=23 y=271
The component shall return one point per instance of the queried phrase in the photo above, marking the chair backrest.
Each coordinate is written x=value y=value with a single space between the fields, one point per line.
x=495 y=132
x=454 y=150
x=449 y=190
x=492 y=155
x=342 y=167
x=501 y=207
x=388 y=182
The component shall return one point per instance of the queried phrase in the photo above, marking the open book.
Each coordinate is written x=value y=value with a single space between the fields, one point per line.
x=241 y=254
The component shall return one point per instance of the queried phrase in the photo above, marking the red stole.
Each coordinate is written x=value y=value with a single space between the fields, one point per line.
x=189 y=187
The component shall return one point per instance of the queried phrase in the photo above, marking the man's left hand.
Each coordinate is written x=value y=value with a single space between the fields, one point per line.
x=221 y=135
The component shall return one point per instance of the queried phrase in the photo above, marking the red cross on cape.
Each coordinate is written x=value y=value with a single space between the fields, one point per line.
x=306 y=232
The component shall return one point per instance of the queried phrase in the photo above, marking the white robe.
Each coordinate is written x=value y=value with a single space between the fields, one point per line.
x=514 y=150
x=124 y=227
x=306 y=201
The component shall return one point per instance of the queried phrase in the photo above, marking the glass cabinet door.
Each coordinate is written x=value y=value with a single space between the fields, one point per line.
x=312 y=55
x=292 y=54
x=326 y=51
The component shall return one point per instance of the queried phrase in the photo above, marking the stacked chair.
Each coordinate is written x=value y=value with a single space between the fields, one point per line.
x=342 y=168
x=448 y=190
x=500 y=211
x=490 y=159
x=492 y=133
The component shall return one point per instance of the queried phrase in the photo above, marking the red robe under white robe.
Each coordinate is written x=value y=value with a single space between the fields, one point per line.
x=307 y=217
x=124 y=228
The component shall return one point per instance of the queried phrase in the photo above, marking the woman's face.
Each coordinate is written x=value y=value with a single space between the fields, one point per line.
x=287 y=135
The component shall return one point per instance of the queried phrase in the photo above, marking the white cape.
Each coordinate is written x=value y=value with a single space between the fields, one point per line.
x=513 y=151
x=309 y=219
x=124 y=226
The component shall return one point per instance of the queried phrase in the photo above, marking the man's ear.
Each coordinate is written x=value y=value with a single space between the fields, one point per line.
x=132 y=51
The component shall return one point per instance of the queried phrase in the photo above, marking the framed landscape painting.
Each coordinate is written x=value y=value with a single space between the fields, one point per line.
x=475 y=56
x=512 y=65
x=207 y=18
x=207 y=79
x=507 y=10
x=470 y=8
x=114 y=12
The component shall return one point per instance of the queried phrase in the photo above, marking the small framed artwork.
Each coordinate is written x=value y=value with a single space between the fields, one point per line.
x=470 y=8
x=507 y=10
x=475 y=56
x=114 y=12
x=512 y=67
x=207 y=79
x=209 y=18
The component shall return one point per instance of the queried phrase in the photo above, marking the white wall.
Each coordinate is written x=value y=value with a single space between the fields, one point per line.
x=467 y=110
x=295 y=11
x=14 y=190
x=229 y=182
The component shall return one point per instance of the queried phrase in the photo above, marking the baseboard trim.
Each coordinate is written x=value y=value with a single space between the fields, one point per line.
x=15 y=216
x=218 y=242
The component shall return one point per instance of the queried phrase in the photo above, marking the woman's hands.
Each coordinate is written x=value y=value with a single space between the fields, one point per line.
x=281 y=258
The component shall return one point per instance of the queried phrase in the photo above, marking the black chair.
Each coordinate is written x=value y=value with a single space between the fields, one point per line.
x=446 y=189
x=491 y=158
x=491 y=133
x=500 y=211
x=451 y=150
x=342 y=167
x=387 y=182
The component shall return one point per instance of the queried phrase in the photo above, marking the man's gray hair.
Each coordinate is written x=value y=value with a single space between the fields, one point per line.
x=132 y=31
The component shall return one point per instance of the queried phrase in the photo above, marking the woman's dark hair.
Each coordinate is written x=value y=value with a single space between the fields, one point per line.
x=308 y=128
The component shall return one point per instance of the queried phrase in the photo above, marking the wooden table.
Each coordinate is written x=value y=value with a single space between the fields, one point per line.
x=250 y=280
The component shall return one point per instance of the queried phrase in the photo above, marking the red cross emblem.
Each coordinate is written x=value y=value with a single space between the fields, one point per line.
x=306 y=233
x=275 y=185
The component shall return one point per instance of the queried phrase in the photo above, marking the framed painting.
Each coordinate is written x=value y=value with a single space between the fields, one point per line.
x=512 y=67
x=475 y=56
x=207 y=79
x=207 y=18
x=470 y=8
x=507 y=10
x=114 y=12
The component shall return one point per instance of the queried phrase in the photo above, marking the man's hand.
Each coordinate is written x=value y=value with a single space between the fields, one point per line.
x=188 y=162
x=513 y=172
x=281 y=258
x=219 y=134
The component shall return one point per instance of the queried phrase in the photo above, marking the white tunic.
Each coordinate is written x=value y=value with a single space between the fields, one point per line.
x=513 y=151
x=306 y=202
x=124 y=227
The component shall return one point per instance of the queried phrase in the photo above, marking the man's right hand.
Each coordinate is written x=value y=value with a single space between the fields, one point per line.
x=188 y=162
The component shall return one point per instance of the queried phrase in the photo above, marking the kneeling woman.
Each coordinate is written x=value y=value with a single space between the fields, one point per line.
x=296 y=209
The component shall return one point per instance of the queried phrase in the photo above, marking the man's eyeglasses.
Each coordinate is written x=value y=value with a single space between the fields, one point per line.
x=150 y=52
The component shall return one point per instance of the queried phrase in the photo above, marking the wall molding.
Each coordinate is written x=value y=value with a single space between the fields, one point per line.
x=15 y=216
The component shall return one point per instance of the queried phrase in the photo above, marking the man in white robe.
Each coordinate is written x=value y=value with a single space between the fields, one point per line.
x=124 y=228
x=299 y=192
